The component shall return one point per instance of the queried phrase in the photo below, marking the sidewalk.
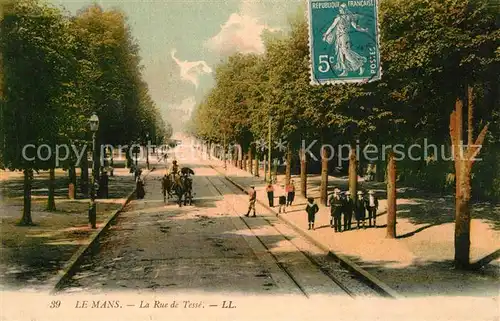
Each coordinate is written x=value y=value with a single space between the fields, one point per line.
x=419 y=261
x=32 y=256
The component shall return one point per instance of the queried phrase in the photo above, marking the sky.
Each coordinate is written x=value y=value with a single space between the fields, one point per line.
x=182 y=41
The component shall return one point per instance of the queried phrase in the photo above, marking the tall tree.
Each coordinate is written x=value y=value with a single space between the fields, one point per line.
x=37 y=64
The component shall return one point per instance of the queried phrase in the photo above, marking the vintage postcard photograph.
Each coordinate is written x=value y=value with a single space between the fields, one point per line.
x=249 y=160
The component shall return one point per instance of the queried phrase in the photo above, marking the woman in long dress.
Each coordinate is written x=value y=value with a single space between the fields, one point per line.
x=338 y=34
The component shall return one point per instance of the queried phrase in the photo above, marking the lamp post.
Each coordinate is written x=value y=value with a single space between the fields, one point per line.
x=136 y=154
x=94 y=127
x=147 y=151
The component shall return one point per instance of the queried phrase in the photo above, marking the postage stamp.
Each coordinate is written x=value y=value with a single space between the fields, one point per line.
x=344 y=41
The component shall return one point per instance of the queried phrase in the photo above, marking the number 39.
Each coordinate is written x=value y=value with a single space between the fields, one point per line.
x=55 y=304
x=324 y=65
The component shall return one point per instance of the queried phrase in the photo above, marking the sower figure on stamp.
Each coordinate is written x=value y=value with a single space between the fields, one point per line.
x=347 y=210
x=336 y=210
x=252 y=198
x=360 y=208
x=372 y=206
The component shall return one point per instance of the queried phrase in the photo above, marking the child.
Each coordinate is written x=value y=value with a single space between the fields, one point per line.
x=311 y=209
x=282 y=201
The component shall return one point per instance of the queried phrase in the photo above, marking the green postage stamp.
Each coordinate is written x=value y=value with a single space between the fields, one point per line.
x=344 y=41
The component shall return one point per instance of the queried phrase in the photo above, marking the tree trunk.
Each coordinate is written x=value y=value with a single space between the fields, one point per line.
x=256 y=165
x=462 y=221
x=275 y=169
x=391 y=196
x=379 y=172
x=265 y=167
x=288 y=169
x=470 y=116
x=84 y=175
x=245 y=162
x=324 y=176
x=28 y=180
x=112 y=162
x=51 y=203
x=462 y=215
x=250 y=160
x=240 y=160
x=72 y=179
x=353 y=173
x=463 y=167
x=303 y=172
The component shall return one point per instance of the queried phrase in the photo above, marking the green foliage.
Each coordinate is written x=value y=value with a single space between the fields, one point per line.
x=58 y=69
x=431 y=51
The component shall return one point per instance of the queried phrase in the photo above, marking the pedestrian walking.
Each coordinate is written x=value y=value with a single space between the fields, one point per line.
x=270 y=194
x=252 y=195
x=347 y=209
x=290 y=189
x=140 y=192
x=282 y=200
x=336 y=210
x=360 y=209
x=372 y=207
x=311 y=209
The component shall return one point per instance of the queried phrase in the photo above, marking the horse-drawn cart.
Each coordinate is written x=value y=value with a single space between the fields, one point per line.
x=180 y=185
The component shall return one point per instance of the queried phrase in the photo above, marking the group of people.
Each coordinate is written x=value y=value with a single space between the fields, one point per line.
x=343 y=208
x=285 y=199
x=174 y=170
x=176 y=174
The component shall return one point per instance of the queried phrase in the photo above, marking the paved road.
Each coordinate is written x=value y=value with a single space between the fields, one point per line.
x=207 y=247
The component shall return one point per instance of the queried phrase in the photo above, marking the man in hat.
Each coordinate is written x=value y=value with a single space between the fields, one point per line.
x=252 y=195
x=336 y=210
x=360 y=208
x=372 y=207
x=174 y=171
x=347 y=209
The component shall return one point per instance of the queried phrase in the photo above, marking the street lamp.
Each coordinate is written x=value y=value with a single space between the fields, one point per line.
x=94 y=127
x=136 y=154
x=147 y=151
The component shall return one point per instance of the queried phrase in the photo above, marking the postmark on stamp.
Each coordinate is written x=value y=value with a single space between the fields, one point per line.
x=344 y=41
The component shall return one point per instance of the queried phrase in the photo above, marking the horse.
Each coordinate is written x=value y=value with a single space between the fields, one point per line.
x=178 y=188
x=188 y=189
x=167 y=188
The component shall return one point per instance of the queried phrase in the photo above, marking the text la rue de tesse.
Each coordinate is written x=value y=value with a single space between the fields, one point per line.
x=154 y=304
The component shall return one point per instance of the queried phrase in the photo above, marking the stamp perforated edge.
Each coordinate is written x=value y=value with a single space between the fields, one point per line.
x=313 y=80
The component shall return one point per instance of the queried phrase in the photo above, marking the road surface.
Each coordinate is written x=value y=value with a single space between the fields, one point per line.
x=208 y=247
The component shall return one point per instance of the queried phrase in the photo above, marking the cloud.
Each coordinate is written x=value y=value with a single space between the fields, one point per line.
x=242 y=32
x=191 y=70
